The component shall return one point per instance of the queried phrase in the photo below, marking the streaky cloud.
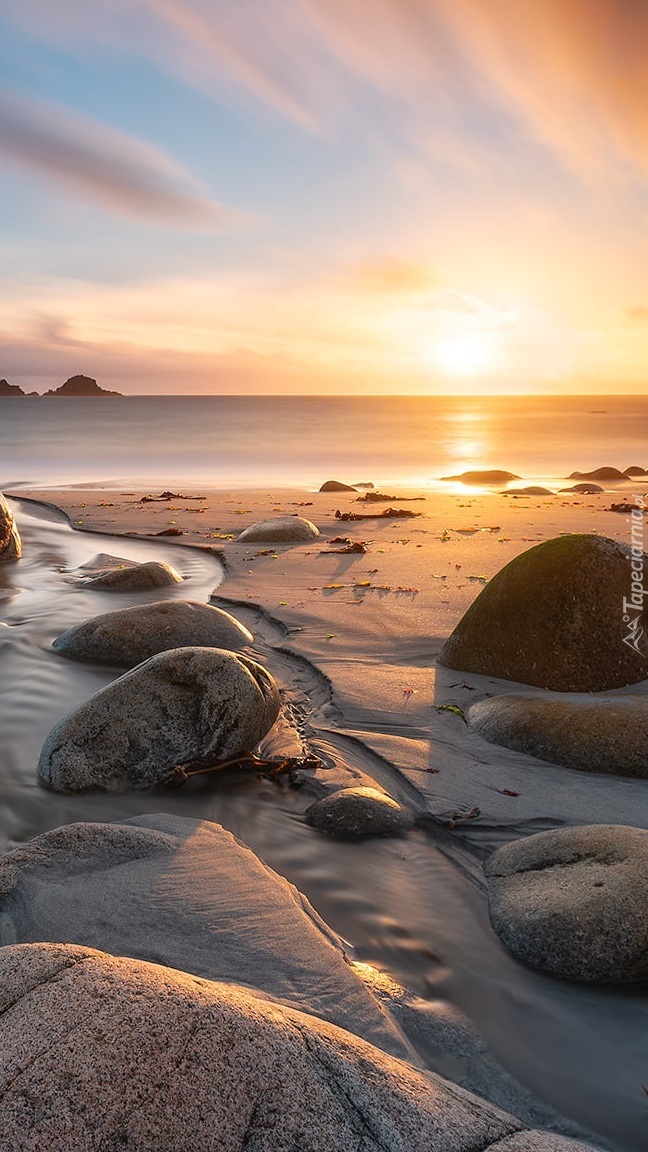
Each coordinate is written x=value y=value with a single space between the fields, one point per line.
x=119 y=171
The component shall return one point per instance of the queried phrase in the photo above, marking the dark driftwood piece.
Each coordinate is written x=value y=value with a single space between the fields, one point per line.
x=271 y=769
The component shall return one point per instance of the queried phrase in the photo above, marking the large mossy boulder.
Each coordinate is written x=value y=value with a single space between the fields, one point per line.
x=131 y=635
x=10 y=544
x=554 y=618
x=574 y=902
x=180 y=706
x=601 y=734
x=102 y=1052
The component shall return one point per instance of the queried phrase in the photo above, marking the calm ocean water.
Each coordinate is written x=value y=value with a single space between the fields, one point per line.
x=225 y=441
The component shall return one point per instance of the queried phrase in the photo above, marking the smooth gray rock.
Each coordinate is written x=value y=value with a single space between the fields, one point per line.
x=608 y=734
x=175 y=707
x=188 y=894
x=213 y=1066
x=10 y=543
x=574 y=902
x=131 y=635
x=553 y=617
x=358 y=813
x=128 y=576
x=281 y=530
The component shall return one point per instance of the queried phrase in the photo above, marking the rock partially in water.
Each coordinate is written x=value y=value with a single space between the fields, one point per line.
x=530 y=490
x=553 y=618
x=336 y=486
x=176 y=707
x=10 y=543
x=154 y=887
x=131 y=635
x=608 y=735
x=635 y=470
x=574 y=902
x=119 y=575
x=281 y=530
x=213 y=1066
x=358 y=813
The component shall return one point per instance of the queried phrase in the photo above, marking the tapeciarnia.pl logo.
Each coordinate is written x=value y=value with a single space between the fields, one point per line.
x=633 y=606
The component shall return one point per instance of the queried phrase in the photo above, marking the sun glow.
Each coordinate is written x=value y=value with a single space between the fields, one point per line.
x=465 y=355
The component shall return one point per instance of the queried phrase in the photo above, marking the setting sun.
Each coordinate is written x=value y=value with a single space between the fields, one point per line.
x=466 y=355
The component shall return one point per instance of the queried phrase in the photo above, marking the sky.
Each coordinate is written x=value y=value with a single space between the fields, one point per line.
x=313 y=196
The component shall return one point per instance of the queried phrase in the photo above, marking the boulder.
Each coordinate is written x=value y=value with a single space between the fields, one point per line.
x=10 y=543
x=281 y=530
x=336 y=486
x=213 y=1066
x=605 y=473
x=574 y=902
x=554 y=618
x=159 y=887
x=608 y=735
x=635 y=470
x=178 y=706
x=358 y=813
x=489 y=476
x=131 y=635
x=129 y=576
x=584 y=488
x=530 y=490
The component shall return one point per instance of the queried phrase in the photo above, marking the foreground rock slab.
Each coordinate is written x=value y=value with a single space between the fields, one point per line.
x=574 y=902
x=553 y=618
x=281 y=530
x=608 y=735
x=131 y=635
x=188 y=894
x=358 y=813
x=176 y=707
x=214 y=1067
x=10 y=543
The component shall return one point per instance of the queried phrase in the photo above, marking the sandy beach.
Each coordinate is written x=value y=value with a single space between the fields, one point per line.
x=352 y=639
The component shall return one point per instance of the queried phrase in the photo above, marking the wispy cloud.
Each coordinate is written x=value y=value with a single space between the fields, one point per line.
x=123 y=173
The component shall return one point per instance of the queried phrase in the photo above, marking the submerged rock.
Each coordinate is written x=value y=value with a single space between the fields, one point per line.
x=358 y=813
x=574 y=902
x=176 y=707
x=10 y=543
x=608 y=735
x=213 y=1065
x=131 y=635
x=554 y=618
x=281 y=530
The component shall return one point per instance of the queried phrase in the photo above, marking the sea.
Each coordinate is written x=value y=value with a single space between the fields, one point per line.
x=247 y=441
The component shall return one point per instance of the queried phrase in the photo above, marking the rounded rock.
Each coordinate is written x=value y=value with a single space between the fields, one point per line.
x=10 y=543
x=281 y=530
x=336 y=486
x=574 y=902
x=176 y=707
x=213 y=1066
x=553 y=618
x=607 y=735
x=134 y=578
x=131 y=635
x=358 y=813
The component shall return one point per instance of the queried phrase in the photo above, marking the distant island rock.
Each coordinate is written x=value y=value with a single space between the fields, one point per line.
x=80 y=386
x=7 y=389
x=490 y=476
x=599 y=474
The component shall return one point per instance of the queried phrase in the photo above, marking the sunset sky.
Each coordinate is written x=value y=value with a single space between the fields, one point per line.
x=325 y=195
